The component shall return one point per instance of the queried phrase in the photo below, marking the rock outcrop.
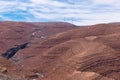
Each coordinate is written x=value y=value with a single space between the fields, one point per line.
x=12 y=51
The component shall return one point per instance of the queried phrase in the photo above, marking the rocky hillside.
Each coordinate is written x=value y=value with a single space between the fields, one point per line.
x=86 y=53
x=14 y=34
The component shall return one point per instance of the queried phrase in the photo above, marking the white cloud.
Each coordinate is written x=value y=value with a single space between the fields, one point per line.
x=108 y=2
x=50 y=3
x=83 y=12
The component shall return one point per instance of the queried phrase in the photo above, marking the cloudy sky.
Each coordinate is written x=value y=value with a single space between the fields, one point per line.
x=80 y=12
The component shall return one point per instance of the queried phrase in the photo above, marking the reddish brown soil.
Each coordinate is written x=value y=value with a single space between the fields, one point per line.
x=87 y=53
x=16 y=33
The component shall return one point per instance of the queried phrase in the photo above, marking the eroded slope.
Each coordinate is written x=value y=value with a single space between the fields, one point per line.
x=89 y=53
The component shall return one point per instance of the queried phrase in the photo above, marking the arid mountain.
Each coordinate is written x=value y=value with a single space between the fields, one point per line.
x=15 y=33
x=85 y=53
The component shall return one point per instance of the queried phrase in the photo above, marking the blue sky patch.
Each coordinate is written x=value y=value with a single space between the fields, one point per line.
x=79 y=12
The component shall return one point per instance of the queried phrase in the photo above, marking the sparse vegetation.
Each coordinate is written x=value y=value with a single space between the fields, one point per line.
x=7 y=77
